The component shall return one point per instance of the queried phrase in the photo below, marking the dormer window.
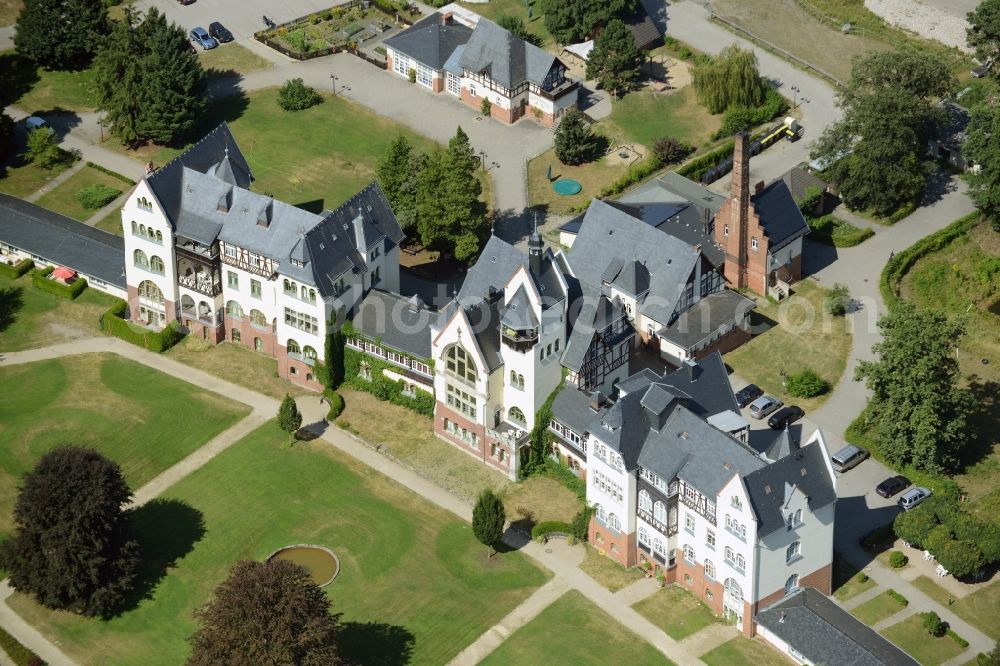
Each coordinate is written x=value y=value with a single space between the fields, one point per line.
x=297 y=263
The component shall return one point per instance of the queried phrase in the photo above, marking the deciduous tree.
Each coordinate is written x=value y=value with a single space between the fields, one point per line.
x=574 y=142
x=266 y=613
x=917 y=412
x=72 y=547
x=61 y=34
x=397 y=174
x=614 y=61
x=983 y=149
x=515 y=26
x=289 y=417
x=42 y=148
x=730 y=80
x=983 y=31
x=488 y=519
x=571 y=21
x=875 y=152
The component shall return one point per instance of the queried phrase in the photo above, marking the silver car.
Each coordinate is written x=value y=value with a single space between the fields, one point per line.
x=763 y=406
x=913 y=497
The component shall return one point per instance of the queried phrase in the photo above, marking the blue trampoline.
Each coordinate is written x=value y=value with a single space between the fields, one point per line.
x=567 y=186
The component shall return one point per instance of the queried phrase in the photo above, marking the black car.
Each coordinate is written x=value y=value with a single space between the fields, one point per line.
x=217 y=30
x=785 y=416
x=892 y=485
x=748 y=394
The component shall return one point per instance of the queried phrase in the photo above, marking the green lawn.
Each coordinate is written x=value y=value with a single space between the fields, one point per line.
x=607 y=572
x=875 y=610
x=62 y=198
x=574 y=631
x=494 y=9
x=142 y=419
x=112 y=222
x=794 y=334
x=744 y=651
x=676 y=611
x=644 y=117
x=31 y=318
x=67 y=91
x=926 y=585
x=320 y=156
x=928 y=650
x=846 y=581
x=24 y=178
x=414 y=586
x=232 y=59
x=9 y=9
x=833 y=231
x=981 y=609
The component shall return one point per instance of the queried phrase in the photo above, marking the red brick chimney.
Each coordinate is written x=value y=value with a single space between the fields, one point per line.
x=739 y=207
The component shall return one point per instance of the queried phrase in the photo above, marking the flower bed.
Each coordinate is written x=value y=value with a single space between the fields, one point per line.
x=328 y=31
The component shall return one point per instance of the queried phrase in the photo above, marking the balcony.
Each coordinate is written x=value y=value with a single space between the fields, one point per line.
x=519 y=341
x=201 y=282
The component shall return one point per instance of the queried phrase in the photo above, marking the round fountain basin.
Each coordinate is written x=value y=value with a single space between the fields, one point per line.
x=321 y=563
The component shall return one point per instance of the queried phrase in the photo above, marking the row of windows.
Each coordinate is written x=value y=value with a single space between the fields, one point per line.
x=516 y=380
x=609 y=519
x=657 y=544
x=299 y=291
x=609 y=487
x=463 y=433
x=460 y=363
x=548 y=350
x=660 y=484
x=148 y=233
x=370 y=347
x=150 y=291
x=754 y=243
x=736 y=527
x=301 y=321
x=460 y=401
x=735 y=559
x=567 y=434
x=515 y=415
x=153 y=264
x=293 y=348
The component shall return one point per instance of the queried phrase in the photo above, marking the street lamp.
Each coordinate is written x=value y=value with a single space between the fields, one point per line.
x=795 y=91
x=100 y=123
x=333 y=80
x=482 y=156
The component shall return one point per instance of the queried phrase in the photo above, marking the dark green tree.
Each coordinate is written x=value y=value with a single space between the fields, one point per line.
x=61 y=34
x=571 y=21
x=960 y=558
x=119 y=78
x=730 y=80
x=289 y=417
x=992 y=658
x=876 y=150
x=334 y=358
x=72 y=547
x=431 y=180
x=266 y=613
x=917 y=412
x=615 y=61
x=42 y=148
x=488 y=518
x=295 y=95
x=515 y=26
x=574 y=142
x=173 y=81
x=983 y=149
x=397 y=174
x=915 y=526
x=983 y=31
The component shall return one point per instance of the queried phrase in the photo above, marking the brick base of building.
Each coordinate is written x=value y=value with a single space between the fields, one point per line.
x=620 y=547
x=821 y=579
x=296 y=371
x=727 y=343
x=482 y=450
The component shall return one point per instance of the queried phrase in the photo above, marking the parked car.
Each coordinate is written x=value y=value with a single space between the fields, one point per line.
x=763 y=406
x=34 y=122
x=203 y=39
x=913 y=497
x=748 y=394
x=186 y=2
x=785 y=416
x=217 y=30
x=848 y=457
x=892 y=485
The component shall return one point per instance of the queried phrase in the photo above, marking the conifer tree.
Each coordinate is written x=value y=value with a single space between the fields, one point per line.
x=574 y=142
x=396 y=173
x=488 y=518
x=119 y=78
x=289 y=417
x=614 y=61
x=61 y=34
x=431 y=179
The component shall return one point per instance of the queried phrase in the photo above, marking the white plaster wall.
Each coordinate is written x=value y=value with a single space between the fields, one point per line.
x=724 y=537
x=458 y=331
x=816 y=537
x=157 y=220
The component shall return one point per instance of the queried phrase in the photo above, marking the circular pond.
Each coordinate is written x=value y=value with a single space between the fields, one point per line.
x=322 y=565
x=567 y=186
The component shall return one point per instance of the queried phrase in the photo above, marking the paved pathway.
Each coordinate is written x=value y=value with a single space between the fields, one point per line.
x=6 y=37
x=28 y=636
x=107 y=210
x=55 y=182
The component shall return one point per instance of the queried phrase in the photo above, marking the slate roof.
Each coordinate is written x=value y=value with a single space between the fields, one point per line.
x=483 y=317
x=707 y=382
x=62 y=240
x=673 y=187
x=780 y=215
x=395 y=321
x=497 y=263
x=518 y=313
x=430 y=41
x=203 y=156
x=806 y=468
x=507 y=60
x=572 y=408
x=705 y=318
x=638 y=381
x=609 y=232
x=824 y=633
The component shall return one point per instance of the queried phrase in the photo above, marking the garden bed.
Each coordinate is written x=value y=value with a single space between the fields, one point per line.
x=329 y=31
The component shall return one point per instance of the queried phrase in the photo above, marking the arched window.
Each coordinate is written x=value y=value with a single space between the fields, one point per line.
x=599 y=512
x=513 y=377
x=204 y=309
x=645 y=501
x=293 y=347
x=660 y=512
x=516 y=415
x=460 y=362
x=520 y=380
x=793 y=550
x=142 y=229
x=258 y=344
x=730 y=557
x=791 y=584
x=309 y=352
x=710 y=569
x=644 y=536
x=135 y=227
x=688 y=554
x=187 y=303
x=234 y=310
x=258 y=319
x=733 y=590
x=159 y=237
x=156 y=264
x=150 y=291
x=659 y=547
x=312 y=295
x=139 y=259
x=304 y=293
x=288 y=286
x=614 y=523
x=234 y=335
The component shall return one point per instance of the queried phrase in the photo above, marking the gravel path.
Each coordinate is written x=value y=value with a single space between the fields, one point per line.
x=927 y=20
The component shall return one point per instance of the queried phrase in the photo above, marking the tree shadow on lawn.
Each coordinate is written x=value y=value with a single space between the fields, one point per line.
x=21 y=74
x=760 y=323
x=375 y=644
x=167 y=530
x=11 y=302
x=985 y=421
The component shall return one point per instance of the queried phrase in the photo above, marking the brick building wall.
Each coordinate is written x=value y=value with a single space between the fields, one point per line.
x=620 y=547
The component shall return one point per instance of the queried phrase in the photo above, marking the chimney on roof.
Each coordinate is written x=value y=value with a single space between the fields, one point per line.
x=265 y=215
x=597 y=400
x=693 y=369
x=447 y=18
x=759 y=188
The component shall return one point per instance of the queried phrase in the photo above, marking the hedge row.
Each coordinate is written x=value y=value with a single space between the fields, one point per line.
x=17 y=270
x=901 y=263
x=113 y=321
x=336 y=405
x=114 y=174
x=381 y=386
x=697 y=167
x=551 y=526
x=40 y=278
x=19 y=654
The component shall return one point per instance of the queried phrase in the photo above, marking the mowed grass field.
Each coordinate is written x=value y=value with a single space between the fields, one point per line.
x=414 y=585
x=140 y=418
x=574 y=630
x=62 y=199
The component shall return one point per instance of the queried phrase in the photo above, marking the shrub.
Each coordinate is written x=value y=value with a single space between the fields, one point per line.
x=955 y=637
x=40 y=279
x=899 y=598
x=697 y=167
x=113 y=322
x=486 y=107
x=741 y=118
x=113 y=174
x=96 y=196
x=549 y=527
x=336 y=405
x=669 y=150
x=905 y=211
x=897 y=560
x=807 y=384
x=297 y=40
x=381 y=386
x=412 y=75
x=17 y=270
x=862 y=577
x=914 y=526
x=296 y=96
x=581 y=523
x=933 y=624
x=635 y=173
x=837 y=300
x=960 y=558
x=43 y=147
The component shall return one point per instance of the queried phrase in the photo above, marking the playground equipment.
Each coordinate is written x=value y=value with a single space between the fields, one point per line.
x=567 y=186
